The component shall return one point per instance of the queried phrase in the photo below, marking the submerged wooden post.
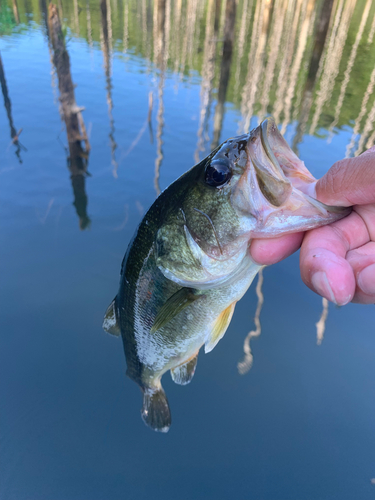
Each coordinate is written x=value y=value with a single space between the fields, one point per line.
x=71 y=113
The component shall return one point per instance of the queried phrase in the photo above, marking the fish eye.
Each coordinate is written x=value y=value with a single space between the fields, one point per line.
x=218 y=173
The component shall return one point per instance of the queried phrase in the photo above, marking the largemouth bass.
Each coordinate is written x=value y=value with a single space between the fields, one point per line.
x=189 y=261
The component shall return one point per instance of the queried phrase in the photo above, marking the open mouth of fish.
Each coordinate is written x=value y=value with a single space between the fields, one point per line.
x=282 y=188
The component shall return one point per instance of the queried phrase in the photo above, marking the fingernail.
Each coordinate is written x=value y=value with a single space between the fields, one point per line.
x=321 y=285
x=366 y=280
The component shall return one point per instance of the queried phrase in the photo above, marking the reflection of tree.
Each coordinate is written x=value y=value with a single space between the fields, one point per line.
x=8 y=107
x=362 y=112
x=321 y=324
x=106 y=24
x=320 y=38
x=247 y=362
x=162 y=11
x=332 y=58
x=88 y=19
x=71 y=113
x=274 y=51
x=15 y=11
x=255 y=68
x=208 y=71
x=245 y=24
x=226 y=61
x=349 y=66
x=307 y=18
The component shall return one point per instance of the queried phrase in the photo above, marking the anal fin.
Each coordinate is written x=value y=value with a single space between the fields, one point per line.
x=220 y=327
x=110 y=323
x=174 y=305
x=183 y=374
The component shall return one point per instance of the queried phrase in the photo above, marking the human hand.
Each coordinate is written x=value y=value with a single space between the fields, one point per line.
x=337 y=261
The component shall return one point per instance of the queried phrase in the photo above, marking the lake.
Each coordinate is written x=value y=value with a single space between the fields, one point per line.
x=158 y=85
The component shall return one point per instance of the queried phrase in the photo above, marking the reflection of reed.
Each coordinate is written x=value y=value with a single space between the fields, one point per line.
x=333 y=57
x=75 y=127
x=362 y=112
x=106 y=38
x=321 y=324
x=247 y=362
x=349 y=66
x=226 y=61
x=307 y=18
x=8 y=107
x=208 y=72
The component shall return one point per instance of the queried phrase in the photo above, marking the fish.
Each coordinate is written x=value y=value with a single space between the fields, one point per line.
x=189 y=263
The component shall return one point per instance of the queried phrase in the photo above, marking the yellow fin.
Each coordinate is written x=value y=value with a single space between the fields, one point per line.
x=183 y=374
x=220 y=327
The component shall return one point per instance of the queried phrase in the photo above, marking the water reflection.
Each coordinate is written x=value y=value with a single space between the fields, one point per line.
x=296 y=59
x=226 y=61
x=14 y=134
x=106 y=44
x=247 y=362
x=299 y=65
x=72 y=116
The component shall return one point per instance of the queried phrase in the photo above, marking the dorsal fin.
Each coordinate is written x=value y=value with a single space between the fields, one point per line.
x=110 y=323
x=175 y=304
x=220 y=327
x=183 y=374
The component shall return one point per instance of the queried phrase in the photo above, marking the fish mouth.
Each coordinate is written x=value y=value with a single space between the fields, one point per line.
x=286 y=186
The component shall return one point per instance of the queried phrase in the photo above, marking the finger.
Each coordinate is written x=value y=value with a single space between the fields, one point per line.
x=270 y=251
x=349 y=182
x=362 y=261
x=323 y=263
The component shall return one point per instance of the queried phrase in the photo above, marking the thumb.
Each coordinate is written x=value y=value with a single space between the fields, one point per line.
x=349 y=182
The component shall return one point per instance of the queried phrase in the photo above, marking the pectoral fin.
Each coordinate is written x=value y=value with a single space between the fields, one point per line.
x=110 y=323
x=184 y=373
x=220 y=327
x=174 y=305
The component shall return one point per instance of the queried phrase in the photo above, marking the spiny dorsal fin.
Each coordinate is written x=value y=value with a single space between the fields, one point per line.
x=220 y=327
x=110 y=323
x=184 y=373
x=174 y=305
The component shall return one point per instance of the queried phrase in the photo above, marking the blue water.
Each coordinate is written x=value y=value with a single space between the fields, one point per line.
x=299 y=425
